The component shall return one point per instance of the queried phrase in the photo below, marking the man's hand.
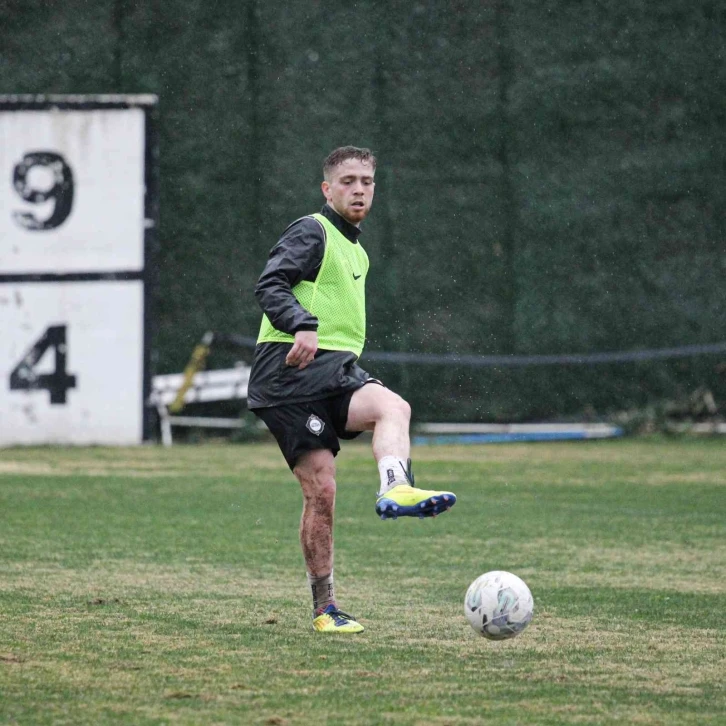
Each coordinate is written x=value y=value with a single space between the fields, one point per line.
x=303 y=349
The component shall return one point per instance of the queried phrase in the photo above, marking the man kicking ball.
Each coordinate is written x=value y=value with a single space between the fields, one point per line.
x=306 y=385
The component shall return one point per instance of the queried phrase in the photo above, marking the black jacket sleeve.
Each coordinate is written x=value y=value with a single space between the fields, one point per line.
x=296 y=257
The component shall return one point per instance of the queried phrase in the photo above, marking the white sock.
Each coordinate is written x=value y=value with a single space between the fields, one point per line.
x=323 y=592
x=392 y=471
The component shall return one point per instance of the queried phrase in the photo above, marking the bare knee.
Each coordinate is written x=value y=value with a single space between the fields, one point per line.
x=400 y=408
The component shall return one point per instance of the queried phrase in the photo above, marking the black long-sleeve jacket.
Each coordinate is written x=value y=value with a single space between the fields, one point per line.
x=296 y=257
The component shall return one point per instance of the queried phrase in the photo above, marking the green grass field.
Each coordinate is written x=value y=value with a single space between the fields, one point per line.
x=166 y=586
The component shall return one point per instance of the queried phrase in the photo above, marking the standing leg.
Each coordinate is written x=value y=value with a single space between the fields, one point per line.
x=315 y=470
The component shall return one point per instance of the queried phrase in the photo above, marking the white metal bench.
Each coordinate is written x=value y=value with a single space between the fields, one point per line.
x=227 y=384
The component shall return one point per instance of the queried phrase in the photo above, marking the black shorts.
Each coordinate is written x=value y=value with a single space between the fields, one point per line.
x=311 y=425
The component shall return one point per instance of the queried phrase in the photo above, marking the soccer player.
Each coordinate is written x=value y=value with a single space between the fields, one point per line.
x=306 y=385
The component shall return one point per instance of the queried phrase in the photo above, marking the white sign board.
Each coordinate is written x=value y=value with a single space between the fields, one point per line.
x=77 y=211
x=72 y=362
x=76 y=203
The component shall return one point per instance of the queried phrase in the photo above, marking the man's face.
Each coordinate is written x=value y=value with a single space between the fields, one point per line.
x=349 y=190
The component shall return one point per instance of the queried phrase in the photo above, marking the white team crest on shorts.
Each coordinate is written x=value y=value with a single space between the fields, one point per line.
x=315 y=425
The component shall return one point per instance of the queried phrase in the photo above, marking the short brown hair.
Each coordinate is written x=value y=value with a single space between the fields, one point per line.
x=338 y=156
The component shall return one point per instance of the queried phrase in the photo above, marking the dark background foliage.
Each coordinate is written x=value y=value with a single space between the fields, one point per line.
x=551 y=174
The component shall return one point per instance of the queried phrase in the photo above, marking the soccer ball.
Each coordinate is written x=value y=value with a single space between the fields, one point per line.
x=498 y=605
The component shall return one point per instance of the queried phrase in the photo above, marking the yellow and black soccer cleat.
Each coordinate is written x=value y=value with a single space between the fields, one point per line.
x=332 y=620
x=407 y=501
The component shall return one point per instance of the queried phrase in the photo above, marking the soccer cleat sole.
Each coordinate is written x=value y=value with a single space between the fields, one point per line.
x=354 y=630
x=431 y=507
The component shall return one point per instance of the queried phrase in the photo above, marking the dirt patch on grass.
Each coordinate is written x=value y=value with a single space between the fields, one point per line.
x=648 y=658
x=686 y=477
x=116 y=581
x=25 y=467
x=143 y=461
x=654 y=454
x=662 y=566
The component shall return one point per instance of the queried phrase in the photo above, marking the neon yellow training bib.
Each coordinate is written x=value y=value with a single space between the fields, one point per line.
x=336 y=298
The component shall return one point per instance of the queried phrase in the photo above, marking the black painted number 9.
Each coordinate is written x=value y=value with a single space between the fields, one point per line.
x=40 y=177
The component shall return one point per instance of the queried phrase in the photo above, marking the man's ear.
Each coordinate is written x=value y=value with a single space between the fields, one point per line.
x=326 y=189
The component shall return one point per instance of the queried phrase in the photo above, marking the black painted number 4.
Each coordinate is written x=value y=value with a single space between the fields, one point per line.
x=25 y=377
